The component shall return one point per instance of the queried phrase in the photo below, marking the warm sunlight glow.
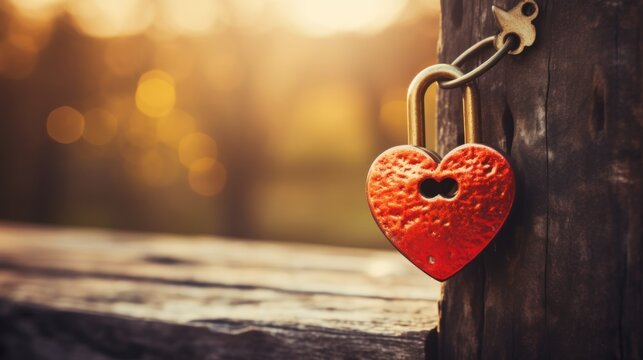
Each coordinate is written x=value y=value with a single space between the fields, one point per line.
x=215 y=116
x=65 y=125
x=324 y=17
x=190 y=17
x=110 y=18
x=155 y=95
x=328 y=121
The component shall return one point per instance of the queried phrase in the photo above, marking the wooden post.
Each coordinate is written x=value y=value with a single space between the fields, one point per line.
x=564 y=278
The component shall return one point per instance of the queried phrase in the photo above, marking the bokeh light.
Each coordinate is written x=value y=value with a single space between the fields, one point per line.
x=189 y=17
x=295 y=97
x=324 y=17
x=65 y=124
x=110 y=18
x=155 y=94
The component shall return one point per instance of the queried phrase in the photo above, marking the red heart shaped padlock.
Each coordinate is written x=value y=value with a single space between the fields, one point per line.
x=440 y=235
x=440 y=214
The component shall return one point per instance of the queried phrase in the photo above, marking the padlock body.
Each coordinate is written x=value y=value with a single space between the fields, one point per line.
x=440 y=234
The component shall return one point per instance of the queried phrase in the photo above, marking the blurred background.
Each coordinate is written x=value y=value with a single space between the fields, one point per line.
x=250 y=118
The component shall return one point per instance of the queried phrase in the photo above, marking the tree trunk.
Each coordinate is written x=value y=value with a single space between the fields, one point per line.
x=564 y=277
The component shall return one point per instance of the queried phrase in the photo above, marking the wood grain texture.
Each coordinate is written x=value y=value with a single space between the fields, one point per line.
x=564 y=277
x=90 y=294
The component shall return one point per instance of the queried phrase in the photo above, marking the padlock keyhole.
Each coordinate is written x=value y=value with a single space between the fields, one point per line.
x=447 y=188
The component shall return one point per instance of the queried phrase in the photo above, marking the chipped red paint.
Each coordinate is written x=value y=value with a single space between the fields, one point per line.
x=439 y=235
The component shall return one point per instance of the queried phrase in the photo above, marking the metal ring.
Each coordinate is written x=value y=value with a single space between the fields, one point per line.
x=485 y=66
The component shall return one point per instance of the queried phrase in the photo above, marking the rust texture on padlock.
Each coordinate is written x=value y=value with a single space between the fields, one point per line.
x=440 y=213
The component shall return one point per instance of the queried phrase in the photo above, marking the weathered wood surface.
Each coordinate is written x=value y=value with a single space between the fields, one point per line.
x=91 y=294
x=564 y=279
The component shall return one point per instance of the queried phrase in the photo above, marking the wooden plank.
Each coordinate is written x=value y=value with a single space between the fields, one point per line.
x=145 y=293
x=564 y=278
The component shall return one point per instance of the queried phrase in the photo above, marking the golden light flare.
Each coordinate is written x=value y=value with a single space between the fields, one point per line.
x=196 y=18
x=206 y=176
x=196 y=146
x=188 y=17
x=171 y=128
x=155 y=94
x=166 y=81
x=111 y=18
x=65 y=124
x=327 y=17
x=317 y=115
x=251 y=14
x=100 y=127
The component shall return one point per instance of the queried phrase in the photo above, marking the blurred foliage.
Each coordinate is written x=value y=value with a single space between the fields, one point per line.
x=254 y=119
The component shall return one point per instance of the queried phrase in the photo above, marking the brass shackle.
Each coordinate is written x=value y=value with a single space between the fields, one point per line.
x=415 y=103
